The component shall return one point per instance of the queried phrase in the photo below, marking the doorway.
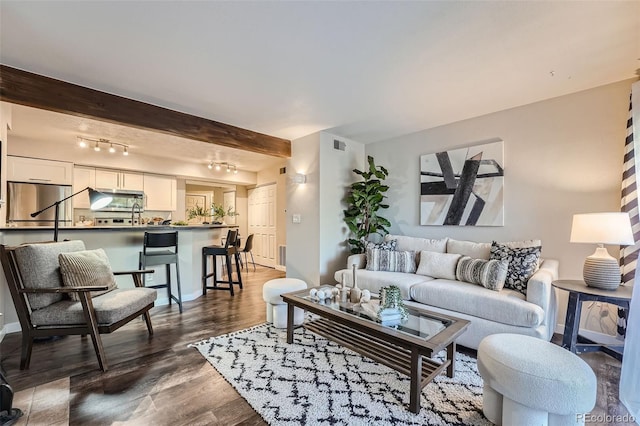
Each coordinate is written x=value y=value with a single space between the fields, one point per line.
x=262 y=223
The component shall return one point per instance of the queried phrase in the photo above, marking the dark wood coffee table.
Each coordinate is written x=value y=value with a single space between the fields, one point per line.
x=407 y=348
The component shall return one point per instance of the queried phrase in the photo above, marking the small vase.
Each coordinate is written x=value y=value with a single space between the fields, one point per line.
x=355 y=291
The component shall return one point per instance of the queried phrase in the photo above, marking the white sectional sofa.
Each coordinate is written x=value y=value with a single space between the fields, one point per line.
x=490 y=312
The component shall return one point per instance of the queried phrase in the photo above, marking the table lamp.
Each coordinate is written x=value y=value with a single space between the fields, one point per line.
x=97 y=200
x=601 y=270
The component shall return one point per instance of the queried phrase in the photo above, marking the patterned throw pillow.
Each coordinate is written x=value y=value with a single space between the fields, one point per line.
x=490 y=274
x=86 y=268
x=391 y=261
x=523 y=263
x=385 y=245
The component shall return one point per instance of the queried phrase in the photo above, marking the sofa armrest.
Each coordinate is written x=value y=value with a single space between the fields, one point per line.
x=539 y=289
x=360 y=260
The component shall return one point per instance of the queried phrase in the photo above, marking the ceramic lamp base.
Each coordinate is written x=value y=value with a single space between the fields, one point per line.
x=601 y=270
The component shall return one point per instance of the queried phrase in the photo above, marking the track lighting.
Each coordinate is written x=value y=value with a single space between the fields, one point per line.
x=229 y=167
x=84 y=143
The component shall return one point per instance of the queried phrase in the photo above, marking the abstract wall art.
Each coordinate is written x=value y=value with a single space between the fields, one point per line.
x=463 y=186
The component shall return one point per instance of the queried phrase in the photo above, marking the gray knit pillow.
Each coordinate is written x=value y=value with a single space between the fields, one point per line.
x=391 y=261
x=490 y=274
x=86 y=268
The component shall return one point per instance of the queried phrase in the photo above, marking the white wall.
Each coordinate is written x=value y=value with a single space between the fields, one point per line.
x=303 y=251
x=335 y=178
x=316 y=246
x=562 y=156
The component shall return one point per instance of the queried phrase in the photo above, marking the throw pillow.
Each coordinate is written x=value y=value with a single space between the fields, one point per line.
x=490 y=274
x=86 y=268
x=469 y=248
x=438 y=265
x=523 y=263
x=391 y=261
x=385 y=245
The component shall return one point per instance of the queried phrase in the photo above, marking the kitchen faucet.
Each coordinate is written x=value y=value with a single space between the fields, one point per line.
x=133 y=209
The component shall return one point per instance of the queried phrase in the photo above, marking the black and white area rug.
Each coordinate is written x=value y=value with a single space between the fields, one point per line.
x=317 y=382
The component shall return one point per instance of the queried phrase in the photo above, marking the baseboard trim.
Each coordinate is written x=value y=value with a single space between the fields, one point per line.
x=280 y=268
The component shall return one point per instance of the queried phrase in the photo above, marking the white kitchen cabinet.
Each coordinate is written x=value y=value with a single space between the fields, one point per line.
x=160 y=192
x=116 y=179
x=83 y=177
x=35 y=170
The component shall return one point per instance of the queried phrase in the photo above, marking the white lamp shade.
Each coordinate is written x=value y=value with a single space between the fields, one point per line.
x=602 y=228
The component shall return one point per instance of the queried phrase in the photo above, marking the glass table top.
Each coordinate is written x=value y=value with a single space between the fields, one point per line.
x=417 y=323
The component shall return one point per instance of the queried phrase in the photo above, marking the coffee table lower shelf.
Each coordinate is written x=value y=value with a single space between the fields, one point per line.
x=396 y=357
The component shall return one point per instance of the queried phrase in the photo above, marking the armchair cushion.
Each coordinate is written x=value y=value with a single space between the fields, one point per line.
x=39 y=268
x=110 y=308
x=86 y=268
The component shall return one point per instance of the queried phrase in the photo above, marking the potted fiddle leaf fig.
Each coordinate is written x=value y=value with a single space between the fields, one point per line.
x=365 y=199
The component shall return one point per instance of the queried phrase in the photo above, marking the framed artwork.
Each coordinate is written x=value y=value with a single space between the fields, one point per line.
x=463 y=186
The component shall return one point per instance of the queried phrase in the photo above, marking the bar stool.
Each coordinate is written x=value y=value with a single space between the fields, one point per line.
x=229 y=251
x=159 y=240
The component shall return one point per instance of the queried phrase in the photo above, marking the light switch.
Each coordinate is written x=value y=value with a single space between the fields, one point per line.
x=297 y=218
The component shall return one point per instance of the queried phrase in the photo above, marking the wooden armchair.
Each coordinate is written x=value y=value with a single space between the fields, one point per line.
x=44 y=307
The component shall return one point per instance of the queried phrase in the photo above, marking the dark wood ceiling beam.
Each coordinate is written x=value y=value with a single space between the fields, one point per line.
x=34 y=90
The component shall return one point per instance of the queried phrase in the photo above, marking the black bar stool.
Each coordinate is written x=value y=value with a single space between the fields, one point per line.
x=159 y=240
x=229 y=251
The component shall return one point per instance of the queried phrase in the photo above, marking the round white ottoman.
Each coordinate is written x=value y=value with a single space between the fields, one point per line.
x=276 y=307
x=528 y=381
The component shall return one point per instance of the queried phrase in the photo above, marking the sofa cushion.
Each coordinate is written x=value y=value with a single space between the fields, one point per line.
x=416 y=244
x=86 y=268
x=505 y=306
x=375 y=280
x=39 y=268
x=523 y=263
x=438 y=265
x=490 y=274
x=391 y=261
x=469 y=248
x=110 y=308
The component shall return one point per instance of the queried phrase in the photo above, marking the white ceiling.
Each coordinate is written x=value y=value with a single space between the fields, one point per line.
x=363 y=70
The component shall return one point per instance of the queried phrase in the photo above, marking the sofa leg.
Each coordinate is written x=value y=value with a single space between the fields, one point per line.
x=492 y=405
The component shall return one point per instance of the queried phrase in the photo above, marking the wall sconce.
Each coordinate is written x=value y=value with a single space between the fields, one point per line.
x=218 y=166
x=299 y=178
x=84 y=143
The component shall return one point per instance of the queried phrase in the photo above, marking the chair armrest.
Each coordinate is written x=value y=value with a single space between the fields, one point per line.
x=143 y=271
x=539 y=289
x=360 y=260
x=85 y=288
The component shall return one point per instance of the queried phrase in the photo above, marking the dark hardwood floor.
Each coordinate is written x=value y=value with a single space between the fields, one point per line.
x=159 y=380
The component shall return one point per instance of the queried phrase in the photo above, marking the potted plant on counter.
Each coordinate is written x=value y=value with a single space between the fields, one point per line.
x=219 y=213
x=199 y=212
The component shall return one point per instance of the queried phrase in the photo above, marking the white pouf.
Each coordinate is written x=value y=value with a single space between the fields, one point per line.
x=276 y=307
x=528 y=381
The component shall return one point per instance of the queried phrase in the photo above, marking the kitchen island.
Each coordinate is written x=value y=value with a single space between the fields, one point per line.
x=122 y=245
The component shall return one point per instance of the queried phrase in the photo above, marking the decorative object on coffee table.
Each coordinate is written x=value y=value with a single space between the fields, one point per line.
x=355 y=294
x=601 y=270
x=391 y=305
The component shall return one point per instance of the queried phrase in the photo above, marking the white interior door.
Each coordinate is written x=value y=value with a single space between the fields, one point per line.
x=262 y=223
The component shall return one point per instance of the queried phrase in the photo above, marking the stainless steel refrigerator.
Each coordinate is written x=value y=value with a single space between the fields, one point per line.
x=27 y=198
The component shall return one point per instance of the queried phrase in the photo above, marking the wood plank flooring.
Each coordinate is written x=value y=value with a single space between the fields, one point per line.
x=159 y=380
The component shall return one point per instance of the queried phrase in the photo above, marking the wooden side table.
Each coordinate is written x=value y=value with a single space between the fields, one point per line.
x=579 y=292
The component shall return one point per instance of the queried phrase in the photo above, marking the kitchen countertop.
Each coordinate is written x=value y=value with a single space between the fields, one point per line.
x=116 y=228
